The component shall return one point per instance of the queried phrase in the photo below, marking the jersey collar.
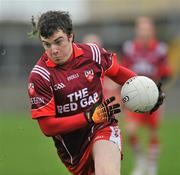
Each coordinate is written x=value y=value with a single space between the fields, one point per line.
x=76 y=50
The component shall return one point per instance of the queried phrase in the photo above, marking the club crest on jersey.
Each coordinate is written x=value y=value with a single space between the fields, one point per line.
x=31 y=89
x=89 y=74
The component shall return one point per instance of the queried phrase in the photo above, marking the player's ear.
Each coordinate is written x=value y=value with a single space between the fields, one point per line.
x=71 y=37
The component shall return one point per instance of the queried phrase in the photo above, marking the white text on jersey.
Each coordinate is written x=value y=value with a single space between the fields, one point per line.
x=59 y=86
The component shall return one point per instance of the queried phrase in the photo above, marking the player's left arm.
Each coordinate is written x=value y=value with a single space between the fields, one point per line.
x=118 y=73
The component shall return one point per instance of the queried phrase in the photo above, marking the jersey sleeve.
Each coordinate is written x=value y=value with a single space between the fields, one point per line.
x=40 y=94
x=110 y=66
x=102 y=57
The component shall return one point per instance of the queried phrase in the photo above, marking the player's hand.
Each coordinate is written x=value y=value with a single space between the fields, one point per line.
x=160 y=98
x=103 y=112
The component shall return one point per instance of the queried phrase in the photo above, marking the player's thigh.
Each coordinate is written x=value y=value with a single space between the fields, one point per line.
x=107 y=158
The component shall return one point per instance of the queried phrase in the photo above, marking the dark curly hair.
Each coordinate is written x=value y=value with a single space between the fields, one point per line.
x=51 y=21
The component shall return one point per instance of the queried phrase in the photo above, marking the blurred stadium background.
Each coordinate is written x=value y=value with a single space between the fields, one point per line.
x=23 y=149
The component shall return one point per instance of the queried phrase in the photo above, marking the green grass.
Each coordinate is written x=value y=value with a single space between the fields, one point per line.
x=169 y=160
x=24 y=150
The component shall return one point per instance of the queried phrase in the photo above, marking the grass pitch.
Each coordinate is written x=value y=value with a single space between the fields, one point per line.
x=24 y=150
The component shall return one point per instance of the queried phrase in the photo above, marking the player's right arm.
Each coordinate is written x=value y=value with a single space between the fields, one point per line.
x=52 y=126
x=43 y=108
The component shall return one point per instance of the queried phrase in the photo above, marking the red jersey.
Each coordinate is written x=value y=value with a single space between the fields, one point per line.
x=150 y=61
x=69 y=89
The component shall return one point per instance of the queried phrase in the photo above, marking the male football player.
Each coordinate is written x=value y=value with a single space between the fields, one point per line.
x=66 y=95
x=146 y=56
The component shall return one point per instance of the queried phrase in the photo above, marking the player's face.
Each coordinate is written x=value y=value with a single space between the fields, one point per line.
x=58 y=46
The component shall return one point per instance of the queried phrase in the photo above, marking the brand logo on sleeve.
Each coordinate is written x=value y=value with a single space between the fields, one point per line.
x=37 y=100
x=89 y=74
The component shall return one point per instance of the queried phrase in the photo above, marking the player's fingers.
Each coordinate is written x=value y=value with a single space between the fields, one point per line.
x=115 y=111
x=159 y=86
x=117 y=105
x=109 y=100
x=110 y=109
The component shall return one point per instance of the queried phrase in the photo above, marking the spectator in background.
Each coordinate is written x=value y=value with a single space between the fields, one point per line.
x=146 y=56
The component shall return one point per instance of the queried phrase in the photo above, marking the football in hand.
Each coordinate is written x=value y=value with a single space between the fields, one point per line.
x=139 y=94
